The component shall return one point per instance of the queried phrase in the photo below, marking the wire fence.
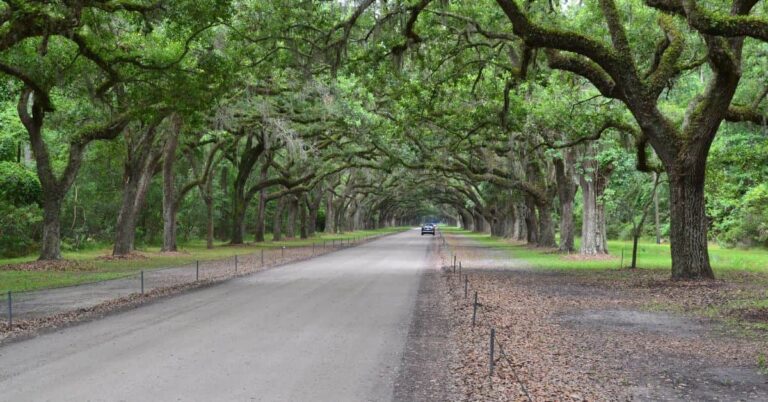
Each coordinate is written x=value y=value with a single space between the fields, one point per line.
x=481 y=322
x=16 y=307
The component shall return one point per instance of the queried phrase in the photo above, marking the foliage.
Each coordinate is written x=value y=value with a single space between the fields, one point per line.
x=18 y=185
x=19 y=229
x=367 y=114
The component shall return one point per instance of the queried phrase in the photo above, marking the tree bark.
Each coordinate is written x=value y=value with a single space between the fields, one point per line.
x=169 y=192
x=304 y=225
x=141 y=165
x=466 y=221
x=209 y=225
x=531 y=222
x=133 y=199
x=313 y=204
x=566 y=191
x=592 y=235
x=519 y=230
x=51 y=245
x=239 y=206
x=277 y=221
x=225 y=219
x=261 y=206
x=261 y=216
x=479 y=222
x=593 y=184
x=330 y=219
x=248 y=158
x=688 y=224
x=290 y=228
x=546 y=227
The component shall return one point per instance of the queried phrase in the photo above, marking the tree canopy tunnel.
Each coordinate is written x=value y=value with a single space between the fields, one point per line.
x=146 y=121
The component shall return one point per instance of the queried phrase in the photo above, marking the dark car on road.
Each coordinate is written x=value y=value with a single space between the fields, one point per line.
x=428 y=229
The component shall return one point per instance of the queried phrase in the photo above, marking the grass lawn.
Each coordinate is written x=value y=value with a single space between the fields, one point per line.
x=91 y=268
x=746 y=270
x=649 y=255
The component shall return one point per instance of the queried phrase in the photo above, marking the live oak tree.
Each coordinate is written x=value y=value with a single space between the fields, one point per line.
x=36 y=40
x=619 y=70
x=348 y=115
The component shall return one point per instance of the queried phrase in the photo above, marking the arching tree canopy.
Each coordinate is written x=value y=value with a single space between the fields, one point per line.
x=228 y=119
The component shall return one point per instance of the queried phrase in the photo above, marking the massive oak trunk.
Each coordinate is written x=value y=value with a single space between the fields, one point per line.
x=340 y=215
x=531 y=222
x=51 y=245
x=566 y=192
x=261 y=216
x=330 y=218
x=140 y=166
x=593 y=239
x=313 y=204
x=593 y=183
x=224 y=227
x=466 y=220
x=134 y=194
x=304 y=229
x=239 y=206
x=290 y=228
x=277 y=221
x=240 y=199
x=519 y=231
x=688 y=224
x=54 y=188
x=479 y=222
x=546 y=227
x=169 y=193
x=206 y=193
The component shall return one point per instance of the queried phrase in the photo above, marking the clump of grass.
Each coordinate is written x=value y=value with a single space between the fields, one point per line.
x=762 y=366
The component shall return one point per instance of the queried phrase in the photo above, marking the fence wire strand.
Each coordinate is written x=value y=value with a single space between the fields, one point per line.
x=484 y=315
x=168 y=277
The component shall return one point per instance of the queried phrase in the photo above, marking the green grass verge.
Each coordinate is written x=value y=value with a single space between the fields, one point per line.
x=747 y=269
x=649 y=255
x=92 y=269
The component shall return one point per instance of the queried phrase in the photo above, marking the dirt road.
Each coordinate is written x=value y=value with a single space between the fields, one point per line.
x=333 y=328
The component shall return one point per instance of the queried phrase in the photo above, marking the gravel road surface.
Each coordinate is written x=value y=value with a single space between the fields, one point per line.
x=328 y=329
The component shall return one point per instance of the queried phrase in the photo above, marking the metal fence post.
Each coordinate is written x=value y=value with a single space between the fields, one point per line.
x=493 y=343
x=197 y=270
x=466 y=285
x=235 y=263
x=142 y=282
x=282 y=252
x=474 y=310
x=313 y=248
x=459 y=269
x=10 y=310
x=454 y=263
